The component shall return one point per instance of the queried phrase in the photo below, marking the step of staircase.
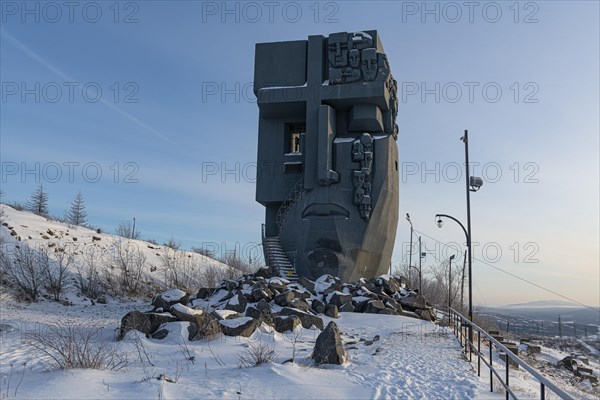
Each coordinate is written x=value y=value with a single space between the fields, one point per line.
x=280 y=262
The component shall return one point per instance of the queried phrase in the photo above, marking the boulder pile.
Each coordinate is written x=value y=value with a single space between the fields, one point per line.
x=239 y=307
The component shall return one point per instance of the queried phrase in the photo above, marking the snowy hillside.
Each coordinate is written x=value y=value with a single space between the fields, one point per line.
x=113 y=260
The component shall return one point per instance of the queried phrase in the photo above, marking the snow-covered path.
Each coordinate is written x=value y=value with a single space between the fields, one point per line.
x=412 y=360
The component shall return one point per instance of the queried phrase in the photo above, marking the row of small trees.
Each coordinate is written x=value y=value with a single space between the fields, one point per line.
x=75 y=215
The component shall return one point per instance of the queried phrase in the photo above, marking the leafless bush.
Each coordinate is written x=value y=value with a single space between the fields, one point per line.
x=294 y=337
x=210 y=276
x=172 y=243
x=68 y=345
x=125 y=267
x=126 y=229
x=17 y=206
x=57 y=269
x=25 y=268
x=205 y=252
x=237 y=265
x=2 y=212
x=172 y=262
x=257 y=353
x=88 y=278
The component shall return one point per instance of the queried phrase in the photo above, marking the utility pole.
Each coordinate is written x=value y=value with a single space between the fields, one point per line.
x=559 y=327
x=465 y=139
x=462 y=282
x=420 y=270
x=411 y=249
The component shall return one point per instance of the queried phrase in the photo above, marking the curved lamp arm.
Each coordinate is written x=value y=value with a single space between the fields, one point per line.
x=439 y=216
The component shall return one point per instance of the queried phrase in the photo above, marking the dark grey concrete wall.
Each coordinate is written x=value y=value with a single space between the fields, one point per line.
x=334 y=205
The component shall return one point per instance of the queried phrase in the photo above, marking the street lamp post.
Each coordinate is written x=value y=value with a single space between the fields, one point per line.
x=473 y=184
x=450 y=282
x=411 y=238
x=420 y=268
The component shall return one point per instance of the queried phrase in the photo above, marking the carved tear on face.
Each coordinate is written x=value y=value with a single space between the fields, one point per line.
x=368 y=64
x=338 y=49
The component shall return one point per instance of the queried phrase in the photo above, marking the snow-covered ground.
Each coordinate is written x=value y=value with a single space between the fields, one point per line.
x=388 y=356
x=411 y=359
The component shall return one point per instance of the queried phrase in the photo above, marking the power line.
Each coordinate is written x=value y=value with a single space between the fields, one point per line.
x=516 y=276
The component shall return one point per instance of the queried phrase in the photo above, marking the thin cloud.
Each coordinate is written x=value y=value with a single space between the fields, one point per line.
x=26 y=50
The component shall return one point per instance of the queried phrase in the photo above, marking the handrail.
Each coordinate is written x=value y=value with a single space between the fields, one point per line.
x=263 y=230
x=292 y=197
x=457 y=317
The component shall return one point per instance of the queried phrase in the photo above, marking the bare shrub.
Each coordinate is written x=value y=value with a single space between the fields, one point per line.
x=210 y=276
x=68 y=345
x=172 y=243
x=204 y=251
x=25 y=269
x=173 y=262
x=125 y=267
x=237 y=265
x=57 y=269
x=2 y=211
x=17 y=206
x=257 y=353
x=126 y=229
x=88 y=277
x=294 y=337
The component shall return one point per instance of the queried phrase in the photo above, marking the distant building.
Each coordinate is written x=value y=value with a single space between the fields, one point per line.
x=327 y=155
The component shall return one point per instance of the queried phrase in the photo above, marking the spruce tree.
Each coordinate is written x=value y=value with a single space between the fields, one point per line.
x=77 y=214
x=38 y=203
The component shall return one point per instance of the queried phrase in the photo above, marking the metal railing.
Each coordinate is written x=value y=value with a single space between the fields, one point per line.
x=292 y=197
x=263 y=235
x=460 y=325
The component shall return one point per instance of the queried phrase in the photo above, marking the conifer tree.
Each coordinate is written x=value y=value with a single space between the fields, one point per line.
x=77 y=214
x=38 y=203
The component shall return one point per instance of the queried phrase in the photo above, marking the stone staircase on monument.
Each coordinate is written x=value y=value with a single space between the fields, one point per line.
x=278 y=259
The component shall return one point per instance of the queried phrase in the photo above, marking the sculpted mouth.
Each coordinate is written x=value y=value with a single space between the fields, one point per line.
x=325 y=210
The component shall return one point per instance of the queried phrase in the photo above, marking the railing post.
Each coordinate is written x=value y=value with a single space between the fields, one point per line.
x=478 y=352
x=491 y=369
x=543 y=391
x=507 y=368
x=470 y=340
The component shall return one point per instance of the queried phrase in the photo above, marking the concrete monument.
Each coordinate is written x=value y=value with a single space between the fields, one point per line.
x=327 y=155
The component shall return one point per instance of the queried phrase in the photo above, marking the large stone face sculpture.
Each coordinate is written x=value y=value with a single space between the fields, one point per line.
x=327 y=153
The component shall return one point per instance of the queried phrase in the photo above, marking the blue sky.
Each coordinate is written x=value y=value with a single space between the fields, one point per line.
x=156 y=96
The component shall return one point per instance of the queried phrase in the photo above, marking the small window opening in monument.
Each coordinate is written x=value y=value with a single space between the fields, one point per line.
x=292 y=167
x=296 y=132
x=396 y=165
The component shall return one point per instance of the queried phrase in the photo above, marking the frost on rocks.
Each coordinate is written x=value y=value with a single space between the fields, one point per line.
x=234 y=323
x=225 y=314
x=173 y=295
x=180 y=308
